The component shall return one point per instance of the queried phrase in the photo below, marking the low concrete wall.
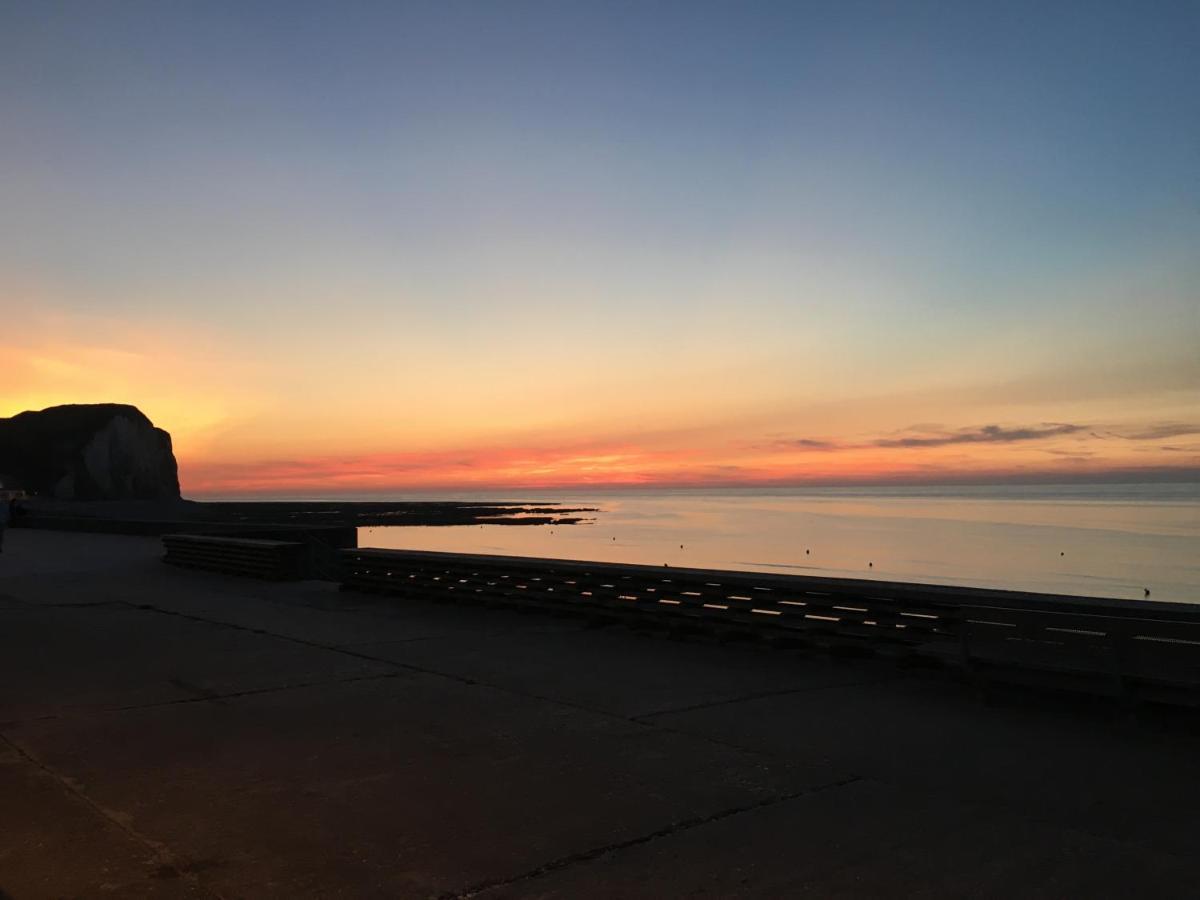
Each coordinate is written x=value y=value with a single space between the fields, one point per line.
x=1130 y=649
x=321 y=542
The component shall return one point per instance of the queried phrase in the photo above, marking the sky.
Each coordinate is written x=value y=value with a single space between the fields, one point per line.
x=373 y=248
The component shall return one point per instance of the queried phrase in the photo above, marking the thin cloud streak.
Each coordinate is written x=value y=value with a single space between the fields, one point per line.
x=1158 y=432
x=988 y=434
x=810 y=444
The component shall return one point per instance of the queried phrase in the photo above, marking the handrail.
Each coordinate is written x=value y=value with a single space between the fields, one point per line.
x=978 y=628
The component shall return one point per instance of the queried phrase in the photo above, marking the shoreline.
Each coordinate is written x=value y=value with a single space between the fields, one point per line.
x=151 y=517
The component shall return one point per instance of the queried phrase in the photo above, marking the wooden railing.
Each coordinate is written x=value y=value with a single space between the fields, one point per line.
x=1143 y=647
x=236 y=556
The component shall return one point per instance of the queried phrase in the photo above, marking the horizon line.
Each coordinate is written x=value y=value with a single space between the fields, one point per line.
x=1162 y=475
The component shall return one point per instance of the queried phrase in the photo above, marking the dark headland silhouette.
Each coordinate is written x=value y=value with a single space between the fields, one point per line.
x=108 y=465
x=104 y=451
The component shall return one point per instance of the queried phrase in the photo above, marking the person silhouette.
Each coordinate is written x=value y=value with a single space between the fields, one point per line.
x=6 y=508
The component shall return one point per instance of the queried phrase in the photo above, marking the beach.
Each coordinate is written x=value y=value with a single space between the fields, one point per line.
x=173 y=733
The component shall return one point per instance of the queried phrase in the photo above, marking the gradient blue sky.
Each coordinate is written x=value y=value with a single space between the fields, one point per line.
x=680 y=234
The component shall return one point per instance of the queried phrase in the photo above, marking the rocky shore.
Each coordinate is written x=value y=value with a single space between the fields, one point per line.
x=142 y=516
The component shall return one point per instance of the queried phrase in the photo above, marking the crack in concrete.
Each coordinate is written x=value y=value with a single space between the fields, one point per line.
x=469 y=682
x=674 y=828
x=171 y=864
x=761 y=695
x=459 y=679
x=205 y=696
x=14 y=723
x=475 y=638
x=27 y=605
x=84 y=604
x=253 y=692
x=168 y=861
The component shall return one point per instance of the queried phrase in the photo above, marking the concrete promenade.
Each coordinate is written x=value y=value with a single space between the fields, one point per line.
x=167 y=733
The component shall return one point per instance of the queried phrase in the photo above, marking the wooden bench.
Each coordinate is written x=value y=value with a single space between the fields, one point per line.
x=279 y=560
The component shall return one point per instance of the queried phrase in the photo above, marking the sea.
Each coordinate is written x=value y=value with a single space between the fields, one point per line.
x=1099 y=540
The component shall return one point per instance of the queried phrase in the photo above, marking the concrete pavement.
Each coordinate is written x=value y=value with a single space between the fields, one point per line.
x=167 y=733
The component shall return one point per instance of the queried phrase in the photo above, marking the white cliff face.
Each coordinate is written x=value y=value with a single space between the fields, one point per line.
x=123 y=459
x=117 y=440
x=127 y=459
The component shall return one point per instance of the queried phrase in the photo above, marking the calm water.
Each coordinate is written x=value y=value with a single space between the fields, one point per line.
x=1110 y=540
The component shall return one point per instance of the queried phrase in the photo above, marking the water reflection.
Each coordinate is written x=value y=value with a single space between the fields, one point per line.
x=1104 y=541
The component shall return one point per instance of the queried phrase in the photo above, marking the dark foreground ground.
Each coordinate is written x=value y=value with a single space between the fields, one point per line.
x=166 y=733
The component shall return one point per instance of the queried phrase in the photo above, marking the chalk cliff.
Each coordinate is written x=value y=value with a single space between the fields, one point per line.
x=106 y=451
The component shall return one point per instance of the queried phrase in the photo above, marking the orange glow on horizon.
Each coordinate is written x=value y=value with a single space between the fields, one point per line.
x=626 y=465
x=262 y=419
